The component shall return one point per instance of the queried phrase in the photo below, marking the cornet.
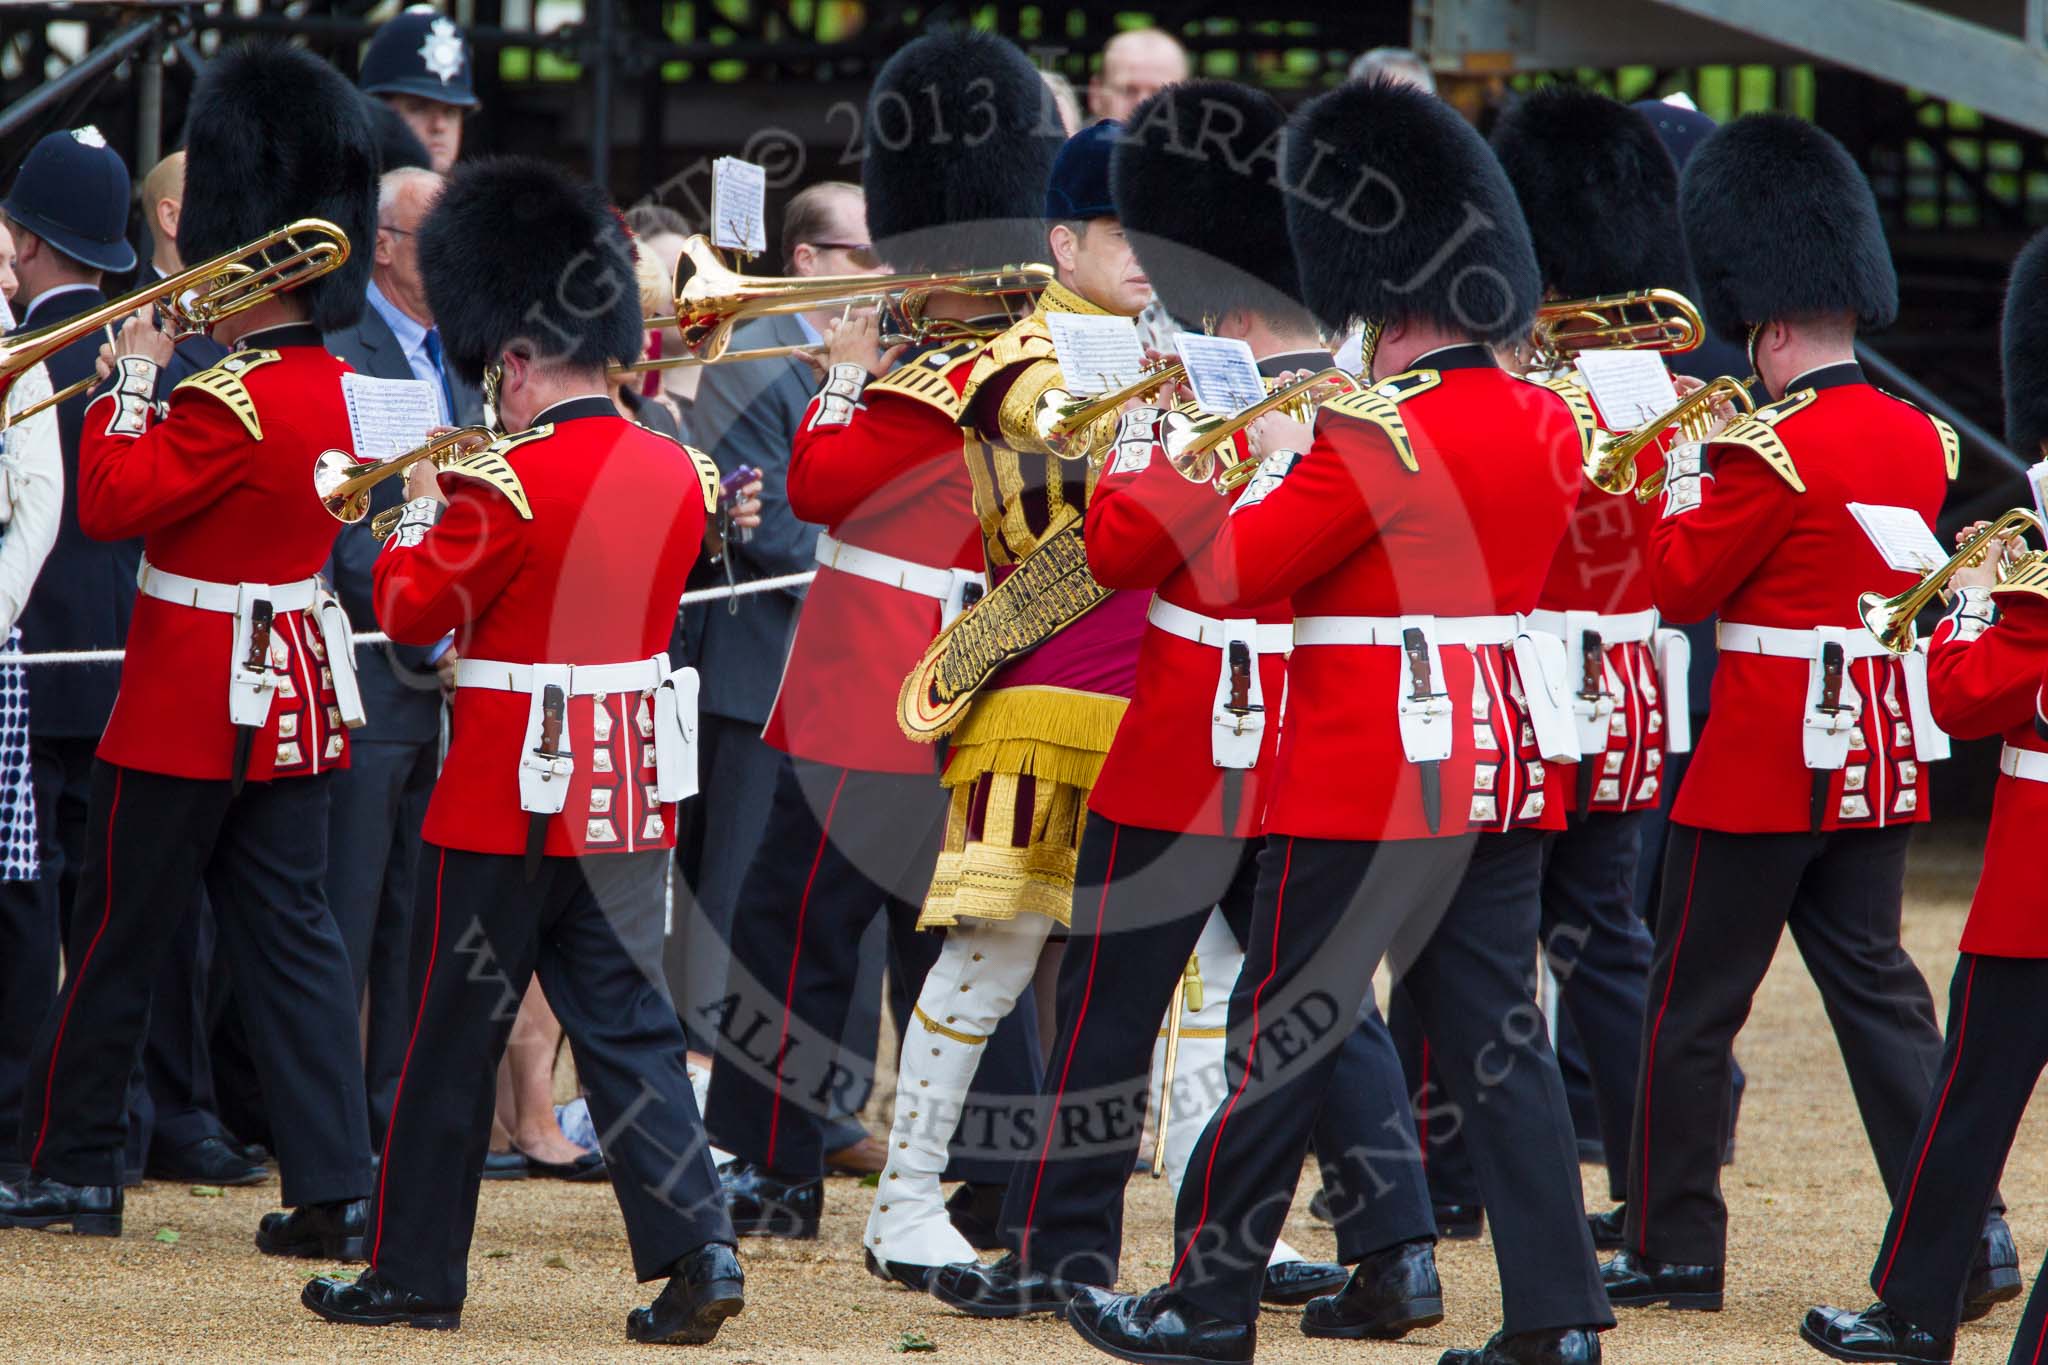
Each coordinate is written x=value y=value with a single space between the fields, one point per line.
x=1611 y=467
x=1191 y=444
x=1890 y=619
x=1061 y=417
x=344 y=484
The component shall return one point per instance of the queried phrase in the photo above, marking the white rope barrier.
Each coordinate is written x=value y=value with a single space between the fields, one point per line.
x=371 y=637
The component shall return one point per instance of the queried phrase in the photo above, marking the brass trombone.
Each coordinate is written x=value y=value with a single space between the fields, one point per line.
x=192 y=301
x=344 y=483
x=1891 y=619
x=1643 y=320
x=1611 y=467
x=1191 y=443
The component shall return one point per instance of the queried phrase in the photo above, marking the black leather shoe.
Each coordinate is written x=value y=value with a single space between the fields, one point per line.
x=916 y=1278
x=1995 y=1274
x=505 y=1165
x=39 y=1202
x=1003 y=1289
x=208 y=1161
x=1158 y=1327
x=763 y=1204
x=1634 y=1281
x=589 y=1166
x=372 y=1301
x=1609 y=1229
x=706 y=1287
x=1567 y=1346
x=976 y=1212
x=1389 y=1294
x=1319 y=1207
x=1459 y=1222
x=1291 y=1284
x=326 y=1232
x=1876 y=1333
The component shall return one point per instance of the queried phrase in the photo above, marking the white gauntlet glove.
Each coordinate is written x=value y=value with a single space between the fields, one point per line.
x=841 y=395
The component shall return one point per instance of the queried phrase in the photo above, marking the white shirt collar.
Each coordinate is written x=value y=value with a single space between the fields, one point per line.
x=411 y=335
x=52 y=293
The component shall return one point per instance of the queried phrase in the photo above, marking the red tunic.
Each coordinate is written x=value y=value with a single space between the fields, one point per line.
x=594 y=577
x=1350 y=531
x=1985 y=686
x=1757 y=552
x=891 y=481
x=213 y=499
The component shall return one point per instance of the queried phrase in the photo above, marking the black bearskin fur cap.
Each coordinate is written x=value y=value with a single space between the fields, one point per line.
x=398 y=146
x=960 y=137
x=1196 y=173
x=273 y=134
x=1598 y=190
x=2026 y=351
x=1781 y=224
x=516 y=250
x=1398 y=211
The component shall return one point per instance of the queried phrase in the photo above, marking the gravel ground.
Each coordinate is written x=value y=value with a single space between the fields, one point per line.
x=549 y=1275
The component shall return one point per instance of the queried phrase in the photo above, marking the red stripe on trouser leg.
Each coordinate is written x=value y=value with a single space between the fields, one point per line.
x=398 y=1092
x=1251 y=1052
x=1962 y=1028
x=1650 y=1053
x=1073 y=1043
x=796 y=953
x=2040 y=1342
x=71 y=996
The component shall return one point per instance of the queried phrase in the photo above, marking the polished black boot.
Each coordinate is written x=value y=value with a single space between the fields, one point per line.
x=976 y=1211
x=1995 y=1274
x=706 y=1287
x=763 y=1204
x=1459 y=1222
x=916 y=1278
x=209 y=1161
x=1876 y=1333
x=1557 y=1346
x=372 y=1301
x=1002 y=1289
x=1159 y=1327
x=326 y=1232
x=1290 y=1284
x=1609 y=1228
x=39 y=1202
x=1634 y=1281
x=1389 y=1294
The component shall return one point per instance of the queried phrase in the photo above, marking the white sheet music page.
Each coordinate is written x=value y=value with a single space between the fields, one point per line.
x=1629 y=387
x=2037 y=480
x=1900 y=536
x=388 y=417
x=1097 y=352
x=1222 y=372
x=739 y=193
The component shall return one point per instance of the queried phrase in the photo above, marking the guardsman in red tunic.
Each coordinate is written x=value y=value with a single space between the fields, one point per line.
x=237 y=691
x=1564 y=147
x=1408 y=530
x=557 y=556
x=1175 y=813
x=858 y=814
x=1797 y=817
x=1984 y=675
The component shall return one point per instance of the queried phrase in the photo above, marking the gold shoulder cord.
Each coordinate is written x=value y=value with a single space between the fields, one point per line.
x=925 y=379
x=1757 y=433
x=1380 y=405
x=224 y=381
x=2029 y=575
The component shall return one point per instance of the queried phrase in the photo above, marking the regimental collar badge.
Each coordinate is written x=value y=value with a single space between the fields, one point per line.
x=88 y=135
x=441 y=50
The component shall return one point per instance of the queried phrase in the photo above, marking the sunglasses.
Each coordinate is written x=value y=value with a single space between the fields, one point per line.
x=861 y=254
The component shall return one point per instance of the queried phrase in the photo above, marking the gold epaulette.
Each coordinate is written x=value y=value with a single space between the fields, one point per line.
x=1570 y=388
x=1380 y=404
x=490 y=466
x=1757 y=432
x=224 y=381
x=708 y=476
x=1951 y=446
x=925 y=378
x=2030 y=575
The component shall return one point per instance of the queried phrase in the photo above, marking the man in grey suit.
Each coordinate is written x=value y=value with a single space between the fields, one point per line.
x=380 y=800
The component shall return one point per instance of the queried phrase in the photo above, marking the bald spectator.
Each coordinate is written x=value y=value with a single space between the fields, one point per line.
x=1135 y=64
x=1064 y=102
x=1395 y=64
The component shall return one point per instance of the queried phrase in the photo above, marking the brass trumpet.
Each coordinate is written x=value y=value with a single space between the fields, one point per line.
x=1061 y=417
x=1891 y=619
x=344 y=483
x=1611 y=467
x=1645 y=319
x=192 y=301
x=1191 y=443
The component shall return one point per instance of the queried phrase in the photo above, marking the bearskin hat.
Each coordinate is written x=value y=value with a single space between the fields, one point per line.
x=1397 y=210
x=398 y=146
x=1598 y=190
x=1196 y=173
x=2025 y=344
x=516 y=250
x=960 y=136
x=275 y=134
x=1781 y=224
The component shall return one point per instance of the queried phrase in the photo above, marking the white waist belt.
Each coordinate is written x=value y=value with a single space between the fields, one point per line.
x=1825 y=735
x=951 y=588
x=1783 y=642
x=1629 y=628
x=1237 y=720
x=225 y=598
x=1386 y=630
x=2030 y=765
x=584 y=680
x=1207 y=630
x=544 y=775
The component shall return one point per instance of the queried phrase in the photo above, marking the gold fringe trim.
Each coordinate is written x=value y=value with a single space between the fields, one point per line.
x=992 y=879
x=1056 y=734
x=932 y=1025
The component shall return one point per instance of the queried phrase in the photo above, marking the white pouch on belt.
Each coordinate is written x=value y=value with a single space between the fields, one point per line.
x=251 y=686
x=1589 y=713
x=1827 y=729
x=1930 y=741
x=675 y=735
x=544 y=777
x=1238 y=721
x=1546 y=691
x=1423 y=705
x=1674 y=680
x=337 y=635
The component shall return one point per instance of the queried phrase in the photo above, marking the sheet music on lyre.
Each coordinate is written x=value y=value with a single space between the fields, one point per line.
x=388 y=417
x=1097 y=352
x=1630 y=388
x=739 y=194
x=1222 y=373
x=1901 y=537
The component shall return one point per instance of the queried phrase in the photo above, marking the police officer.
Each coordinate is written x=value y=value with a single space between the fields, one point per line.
x=420 y=65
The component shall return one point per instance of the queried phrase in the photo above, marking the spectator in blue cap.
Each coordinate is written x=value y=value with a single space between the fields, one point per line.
x=420 y=65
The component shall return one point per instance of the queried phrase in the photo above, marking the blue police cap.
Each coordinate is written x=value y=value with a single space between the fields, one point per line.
x=422 y=53
x=72 y=191
x=1079 y=187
